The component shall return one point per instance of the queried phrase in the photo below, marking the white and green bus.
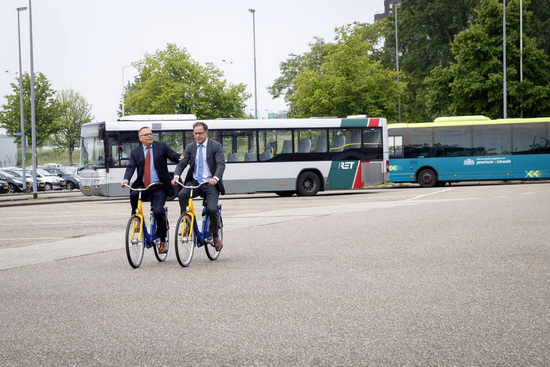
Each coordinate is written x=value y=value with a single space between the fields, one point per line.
x=285 y=156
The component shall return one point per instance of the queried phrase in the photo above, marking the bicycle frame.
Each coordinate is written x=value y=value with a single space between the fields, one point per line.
x=188 y=233
x=199 y=237
x=148 y=235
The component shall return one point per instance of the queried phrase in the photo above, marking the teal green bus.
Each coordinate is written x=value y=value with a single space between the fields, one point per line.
x=469 y=148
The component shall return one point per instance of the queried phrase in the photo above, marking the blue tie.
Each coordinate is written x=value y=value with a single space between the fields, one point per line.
x=200 y=167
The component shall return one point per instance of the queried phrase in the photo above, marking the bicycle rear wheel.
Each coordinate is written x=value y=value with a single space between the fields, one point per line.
x=209 y=245
x=135 y=247
x=161 y=257
x=184 y=242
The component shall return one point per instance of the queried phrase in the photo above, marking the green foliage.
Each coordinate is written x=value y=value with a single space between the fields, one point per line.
x=540 y=23
x=46 y=155
x=475 y=79
x=426 y=30
x=169 y=82
x=312 y=60
x=74 y=111
x=46 y=108
x=339 y=79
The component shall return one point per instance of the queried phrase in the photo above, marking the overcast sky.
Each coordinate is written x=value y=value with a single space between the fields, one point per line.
x=84 y=45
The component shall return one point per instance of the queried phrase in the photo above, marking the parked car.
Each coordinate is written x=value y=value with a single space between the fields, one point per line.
x=56 y=165
x=52 y=182
x=74 y=168
x=73 y=181
x=15 y=183
x=4 y=187
x=40 y=184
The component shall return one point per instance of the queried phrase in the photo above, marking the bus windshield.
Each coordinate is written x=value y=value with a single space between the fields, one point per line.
x=92 y=150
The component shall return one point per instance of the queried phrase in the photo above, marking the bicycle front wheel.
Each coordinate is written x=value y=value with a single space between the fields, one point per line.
x=135 y=247
x=184 y=242
x=211 y=251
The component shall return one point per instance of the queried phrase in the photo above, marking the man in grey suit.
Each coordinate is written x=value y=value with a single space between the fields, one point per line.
x=151 y=155
x=206 y=164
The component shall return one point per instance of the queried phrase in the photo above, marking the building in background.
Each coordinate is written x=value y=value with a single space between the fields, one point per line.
x=8 y=151
x=388 y=6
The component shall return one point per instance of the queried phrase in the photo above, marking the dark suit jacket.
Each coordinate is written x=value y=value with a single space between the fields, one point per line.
x=161 y=152
x=214 y=159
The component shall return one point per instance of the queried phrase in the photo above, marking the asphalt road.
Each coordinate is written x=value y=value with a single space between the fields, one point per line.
x=449 y=276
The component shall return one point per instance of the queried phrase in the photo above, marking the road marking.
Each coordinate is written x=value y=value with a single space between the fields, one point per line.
x=29 y=238
x=431 y=193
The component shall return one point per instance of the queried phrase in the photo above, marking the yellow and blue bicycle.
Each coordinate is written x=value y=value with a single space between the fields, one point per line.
x=138 y=237
x=188 y=235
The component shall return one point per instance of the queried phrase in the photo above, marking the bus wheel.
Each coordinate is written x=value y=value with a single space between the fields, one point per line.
x=427 y=178
x=308 y=184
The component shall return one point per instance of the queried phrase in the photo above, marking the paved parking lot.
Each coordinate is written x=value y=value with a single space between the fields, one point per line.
x=445 y=276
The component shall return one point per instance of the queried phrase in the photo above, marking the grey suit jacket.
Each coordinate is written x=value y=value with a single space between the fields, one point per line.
x=214 y=159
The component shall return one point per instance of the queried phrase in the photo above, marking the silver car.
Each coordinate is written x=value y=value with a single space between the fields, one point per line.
x=52 y=182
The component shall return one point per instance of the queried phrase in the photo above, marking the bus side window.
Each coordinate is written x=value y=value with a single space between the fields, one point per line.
x=250 y=156
x=355 y=141
x=338 y=143
x=304 y=146
x=287 y=147
x=232 y=157
x=395 y=144
x=321 y=146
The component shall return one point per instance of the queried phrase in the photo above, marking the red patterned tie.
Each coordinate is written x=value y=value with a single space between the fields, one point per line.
x=147 y=173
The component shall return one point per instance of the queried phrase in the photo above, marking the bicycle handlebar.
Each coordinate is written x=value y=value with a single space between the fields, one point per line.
x=192 y=187
x=142 y=188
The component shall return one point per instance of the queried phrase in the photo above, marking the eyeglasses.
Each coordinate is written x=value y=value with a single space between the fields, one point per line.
x=148 y=134
x=199 y=132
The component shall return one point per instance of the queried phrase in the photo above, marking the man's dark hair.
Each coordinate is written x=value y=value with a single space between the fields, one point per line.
x=145 y=127
x=200 y=123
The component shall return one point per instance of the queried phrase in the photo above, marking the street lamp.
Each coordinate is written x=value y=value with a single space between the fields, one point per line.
x=22 y=109
x=33 y=113
x=504 y=95
x=123 y=86
x=397 y=65
x=521 y=52
x=254 y=40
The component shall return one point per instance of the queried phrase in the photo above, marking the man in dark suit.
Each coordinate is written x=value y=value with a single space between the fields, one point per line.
x=153 y=155
x=206 y=164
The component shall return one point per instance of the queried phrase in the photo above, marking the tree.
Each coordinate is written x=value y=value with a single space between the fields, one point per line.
x=426 y=30
x=339 y=79
x=169 y=81
x=540 y=23
x=46 y=109
x=312 y=60
x=74 y=111
x=474 y=83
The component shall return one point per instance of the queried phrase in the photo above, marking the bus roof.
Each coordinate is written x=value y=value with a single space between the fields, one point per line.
x=158 y=117
x=467 y=121
x=305 y=123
